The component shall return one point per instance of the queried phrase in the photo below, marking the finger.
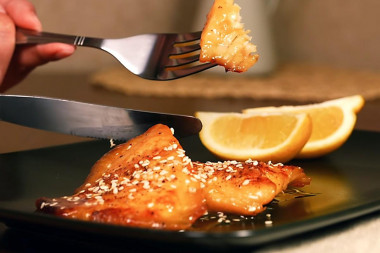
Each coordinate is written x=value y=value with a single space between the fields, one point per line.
x=22 y=13
x=7 y=42
x=32 y=56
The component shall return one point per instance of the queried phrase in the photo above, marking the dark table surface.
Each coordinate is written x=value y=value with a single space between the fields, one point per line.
x=77 y=87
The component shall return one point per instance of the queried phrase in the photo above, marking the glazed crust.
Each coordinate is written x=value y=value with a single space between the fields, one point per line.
x=150 y=182
x=139 y=183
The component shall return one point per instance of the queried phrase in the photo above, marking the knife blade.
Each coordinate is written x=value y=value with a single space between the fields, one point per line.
x=89 y=120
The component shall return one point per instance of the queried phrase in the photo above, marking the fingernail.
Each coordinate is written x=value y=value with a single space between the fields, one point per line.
x=65 y=51
x=36 y=23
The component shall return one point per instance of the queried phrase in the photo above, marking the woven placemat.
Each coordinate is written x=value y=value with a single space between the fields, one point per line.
x=297 y=82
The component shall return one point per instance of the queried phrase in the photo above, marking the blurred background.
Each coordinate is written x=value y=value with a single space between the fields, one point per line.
x=310 y=51
x=338 y=32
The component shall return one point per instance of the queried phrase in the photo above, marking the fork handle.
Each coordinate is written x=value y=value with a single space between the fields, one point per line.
x=24 y=36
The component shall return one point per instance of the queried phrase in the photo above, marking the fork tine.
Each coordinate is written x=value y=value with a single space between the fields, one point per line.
x=173 y=62
x=184 y=70
x=186 y=43
x=184 y=49
x=187 y=37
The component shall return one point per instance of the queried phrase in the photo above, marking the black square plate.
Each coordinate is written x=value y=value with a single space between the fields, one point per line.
x=345 y=185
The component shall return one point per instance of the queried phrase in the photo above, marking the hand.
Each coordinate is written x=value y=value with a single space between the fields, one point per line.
x=17 y=62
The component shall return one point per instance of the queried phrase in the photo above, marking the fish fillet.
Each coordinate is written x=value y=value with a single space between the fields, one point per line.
x=150 y=182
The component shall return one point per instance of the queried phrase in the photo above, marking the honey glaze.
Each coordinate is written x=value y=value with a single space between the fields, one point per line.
x=139 y=183
x=276 y=212
x=150 y=182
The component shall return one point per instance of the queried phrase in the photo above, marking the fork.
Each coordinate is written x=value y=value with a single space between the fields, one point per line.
x=150 y=56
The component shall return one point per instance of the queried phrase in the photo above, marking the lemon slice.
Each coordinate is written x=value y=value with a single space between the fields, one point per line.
x=276 y=137
x=333 y=122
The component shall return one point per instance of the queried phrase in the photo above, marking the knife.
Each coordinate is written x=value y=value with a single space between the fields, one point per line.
x=89 y=120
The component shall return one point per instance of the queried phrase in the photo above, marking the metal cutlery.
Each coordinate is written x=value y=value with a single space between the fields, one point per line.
x=150 y=56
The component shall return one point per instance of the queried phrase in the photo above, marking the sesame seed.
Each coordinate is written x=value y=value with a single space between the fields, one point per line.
x=268 y=223
x=146 y=185
x=104 y=187
x=112 y=144
x=246 y=182
x=155 y=225
x=170 y=148
x=125 y=181
x=145 y=163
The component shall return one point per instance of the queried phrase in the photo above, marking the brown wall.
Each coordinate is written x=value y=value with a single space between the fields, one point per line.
x=338 y=32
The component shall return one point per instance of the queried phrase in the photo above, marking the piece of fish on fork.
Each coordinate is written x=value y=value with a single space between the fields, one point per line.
x=150 y=56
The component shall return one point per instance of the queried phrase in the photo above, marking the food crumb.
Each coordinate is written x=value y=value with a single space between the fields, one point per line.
x=112 y=144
